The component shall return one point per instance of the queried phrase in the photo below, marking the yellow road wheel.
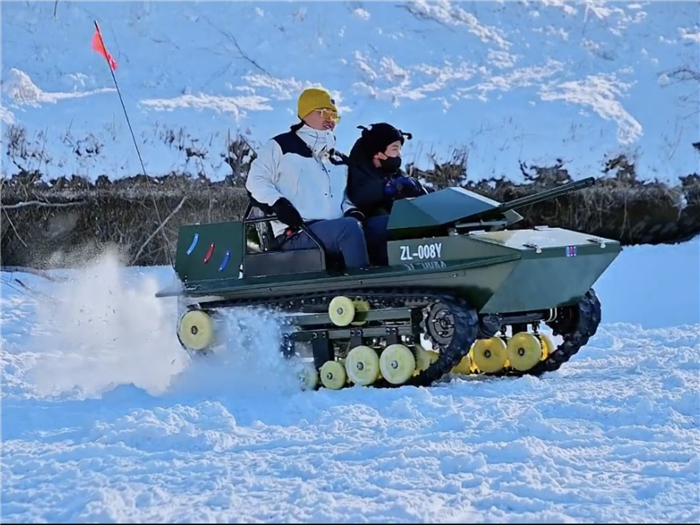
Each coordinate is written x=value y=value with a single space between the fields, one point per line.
x=362 y=365
x=424 y=358
x=361 y=309
x=308 y=378
x=333 y=375
x=463 y=367
x=466 y=364
x=547 y=346
x=397 y=363
x=524 y=351
x=341 y=310
x=489 y=355
x=196 y=330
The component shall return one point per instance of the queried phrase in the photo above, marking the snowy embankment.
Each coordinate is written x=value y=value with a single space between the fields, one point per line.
x=104 y=419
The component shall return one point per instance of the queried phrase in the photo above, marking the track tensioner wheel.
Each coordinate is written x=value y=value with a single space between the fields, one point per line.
x=524 y=351
x=397 y=363
x=333 y=375
x=196 y=330
x=424 y=358
x=361 y=309
x=362 y=365
x=489 y=355
x=465 y=366
x=308 y=378
x=341 y=310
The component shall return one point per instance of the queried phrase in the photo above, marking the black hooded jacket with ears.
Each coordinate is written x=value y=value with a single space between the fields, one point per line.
x=366 y=183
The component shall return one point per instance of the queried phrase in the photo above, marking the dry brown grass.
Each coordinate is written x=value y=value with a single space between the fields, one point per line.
x=43 y=223
x=122 y=213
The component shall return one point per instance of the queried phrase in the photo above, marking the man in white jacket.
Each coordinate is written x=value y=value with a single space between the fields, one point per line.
x=294 y=177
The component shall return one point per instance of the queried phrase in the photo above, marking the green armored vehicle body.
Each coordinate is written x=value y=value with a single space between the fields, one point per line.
x=462 y=292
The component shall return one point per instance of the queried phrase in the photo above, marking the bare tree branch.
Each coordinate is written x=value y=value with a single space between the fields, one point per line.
x=34 y=271
x=423 y=16
x=15 y=229
x=177 y=208
x=685 y=74
x=243 y=54
x=40 y=203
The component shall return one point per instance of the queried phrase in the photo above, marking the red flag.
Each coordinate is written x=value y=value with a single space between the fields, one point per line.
x=99 y=46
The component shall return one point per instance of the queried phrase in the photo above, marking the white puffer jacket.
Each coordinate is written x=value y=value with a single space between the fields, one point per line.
x=295 y=165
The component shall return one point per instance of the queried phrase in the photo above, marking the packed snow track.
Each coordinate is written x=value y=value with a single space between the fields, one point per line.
x=104 y=418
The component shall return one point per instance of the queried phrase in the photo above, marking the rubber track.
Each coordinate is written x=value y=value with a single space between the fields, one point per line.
x=466 y=329
x=465 y=322
x=466 y=326
x=588 y=319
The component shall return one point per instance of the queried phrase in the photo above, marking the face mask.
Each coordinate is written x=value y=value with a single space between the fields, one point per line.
x=320 y=141
x=390 y=164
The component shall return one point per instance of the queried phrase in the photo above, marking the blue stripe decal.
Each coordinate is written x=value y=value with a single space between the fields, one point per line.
x=225 y=261
x=195 y=239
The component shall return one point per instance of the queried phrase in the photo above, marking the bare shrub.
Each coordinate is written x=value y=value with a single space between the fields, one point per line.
x=239 y=156
x=44 y=221
x=444 y=174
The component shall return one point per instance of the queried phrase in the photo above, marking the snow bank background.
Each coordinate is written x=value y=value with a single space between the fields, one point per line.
x=510 y=81
x=105 y=419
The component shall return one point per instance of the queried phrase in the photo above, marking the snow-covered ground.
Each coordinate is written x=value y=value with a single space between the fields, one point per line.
x=103 y=418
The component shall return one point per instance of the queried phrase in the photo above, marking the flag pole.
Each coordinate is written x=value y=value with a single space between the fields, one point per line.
x=110 y=62
x=112 y=65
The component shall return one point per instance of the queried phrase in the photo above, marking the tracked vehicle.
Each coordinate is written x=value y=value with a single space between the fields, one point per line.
x=463 y=293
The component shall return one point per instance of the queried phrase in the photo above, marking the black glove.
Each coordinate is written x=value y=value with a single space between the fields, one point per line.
x=356 y=214
x=287 y=213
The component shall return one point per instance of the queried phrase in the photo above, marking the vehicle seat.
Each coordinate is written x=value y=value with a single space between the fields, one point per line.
x=267 y=242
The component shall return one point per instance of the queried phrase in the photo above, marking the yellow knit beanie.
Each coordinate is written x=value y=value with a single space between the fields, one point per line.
x=312 y=99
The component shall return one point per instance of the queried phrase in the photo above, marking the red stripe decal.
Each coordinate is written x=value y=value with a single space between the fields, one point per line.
x=210 y=252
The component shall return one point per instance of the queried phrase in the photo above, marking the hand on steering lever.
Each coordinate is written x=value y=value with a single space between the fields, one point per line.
x=403 y=187
x=287 y=213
